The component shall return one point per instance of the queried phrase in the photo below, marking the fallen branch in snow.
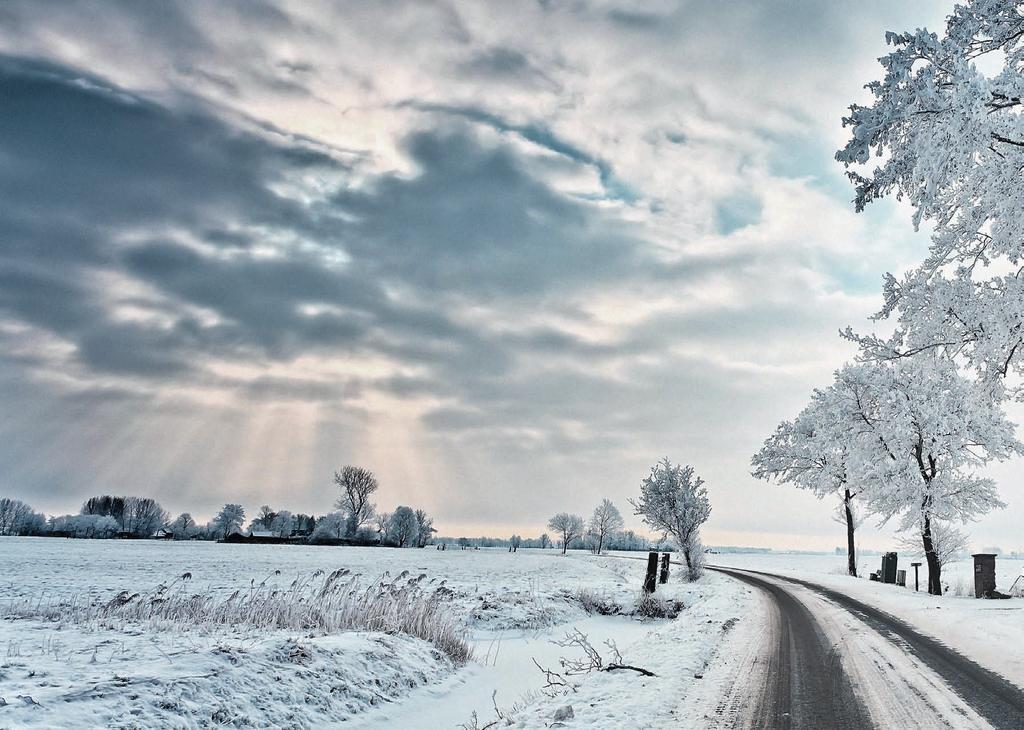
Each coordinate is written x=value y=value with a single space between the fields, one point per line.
x=554 y=680
x=503 y=717
x=641 y=670
x=591 y=661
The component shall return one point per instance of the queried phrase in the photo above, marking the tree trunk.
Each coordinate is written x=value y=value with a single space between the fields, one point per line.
x=851 y=550
x=934 y=568
x=686 y=557
x=600 y=543
x=565 y=544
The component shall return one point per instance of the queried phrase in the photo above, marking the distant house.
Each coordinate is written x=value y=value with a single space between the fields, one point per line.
x=259 y=536
x=163 y=534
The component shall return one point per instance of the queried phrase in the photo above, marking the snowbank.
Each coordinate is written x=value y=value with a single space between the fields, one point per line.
x=133 y=678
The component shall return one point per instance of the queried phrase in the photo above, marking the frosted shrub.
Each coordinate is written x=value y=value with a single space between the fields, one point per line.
x=651 y=605
x=593 y=602
x=326 y=603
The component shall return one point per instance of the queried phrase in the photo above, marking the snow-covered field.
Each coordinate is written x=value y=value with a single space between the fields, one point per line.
x=116 y=673
x=989 y=631
x=91 y=670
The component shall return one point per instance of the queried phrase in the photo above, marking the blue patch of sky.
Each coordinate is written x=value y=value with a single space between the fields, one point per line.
x=735 y=212
x=807 y=157
x=857 y=273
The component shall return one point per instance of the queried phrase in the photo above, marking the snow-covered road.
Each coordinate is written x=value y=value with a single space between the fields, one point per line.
x=824 y=659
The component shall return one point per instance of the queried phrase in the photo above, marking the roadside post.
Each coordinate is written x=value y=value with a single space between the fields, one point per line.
x=663 y=577
x=888 y=573
x=652 y=573
x=916 y=566
x=984 y=574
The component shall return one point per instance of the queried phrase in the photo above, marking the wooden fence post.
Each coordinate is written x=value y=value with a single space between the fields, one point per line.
x=663 y=578
x=652 y=572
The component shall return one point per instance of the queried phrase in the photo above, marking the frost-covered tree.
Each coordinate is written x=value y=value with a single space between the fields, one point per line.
x=86 y=526
x=544 y=541
x=106 y=505
x=946 y=122
x=605 y=522
x=282 y=524
x=514 y=542
x=229 y=519
x=18 y=518
x=357 y=486
x=426 y=528
x=330 y=527
x=948 y=542
x=403 y=528
x=569 y=527
x=183 y=527
x=915 y=431
x=805 y=453
x=674 y=501
x=265 y=518
x=143 y=516
x=304 y=524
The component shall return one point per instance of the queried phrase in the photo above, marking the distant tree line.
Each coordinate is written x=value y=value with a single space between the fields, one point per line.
x=355 y=519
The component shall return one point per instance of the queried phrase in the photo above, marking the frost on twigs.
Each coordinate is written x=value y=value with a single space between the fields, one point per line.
x=674 y=501
x=946 y=127
x=587 y=659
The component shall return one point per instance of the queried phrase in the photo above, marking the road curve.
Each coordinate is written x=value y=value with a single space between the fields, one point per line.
x=806 y=684
x=999 y=701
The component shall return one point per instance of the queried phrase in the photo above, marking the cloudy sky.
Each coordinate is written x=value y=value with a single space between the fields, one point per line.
x=506 y=255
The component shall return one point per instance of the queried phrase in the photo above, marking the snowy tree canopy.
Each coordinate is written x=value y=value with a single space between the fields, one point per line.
x=674 y=501
x=357 y=485
x=568 y=526
x=229 y=519
x=18 y=518
x=283 y=523
x=803 y=453
x=946 y=121
x=916 y=430
x=403 y=527
x=605 y=522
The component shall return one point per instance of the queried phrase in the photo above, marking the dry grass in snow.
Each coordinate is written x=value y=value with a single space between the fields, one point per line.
x=319 y=603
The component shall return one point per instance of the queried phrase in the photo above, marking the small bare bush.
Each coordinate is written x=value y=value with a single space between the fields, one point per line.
x=593 y=602
x=326 y=603
x=650 y=605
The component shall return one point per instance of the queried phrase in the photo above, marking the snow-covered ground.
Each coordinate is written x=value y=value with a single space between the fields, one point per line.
x=989 y=631
x=124 y=674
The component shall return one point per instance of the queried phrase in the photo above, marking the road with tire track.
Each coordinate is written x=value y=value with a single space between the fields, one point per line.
x=826 y=660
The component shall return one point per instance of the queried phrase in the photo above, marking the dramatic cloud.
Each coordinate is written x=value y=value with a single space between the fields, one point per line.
x=506 y=257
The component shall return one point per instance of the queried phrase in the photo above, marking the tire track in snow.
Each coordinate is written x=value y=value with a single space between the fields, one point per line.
x=804 y=683
x=997 y=700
